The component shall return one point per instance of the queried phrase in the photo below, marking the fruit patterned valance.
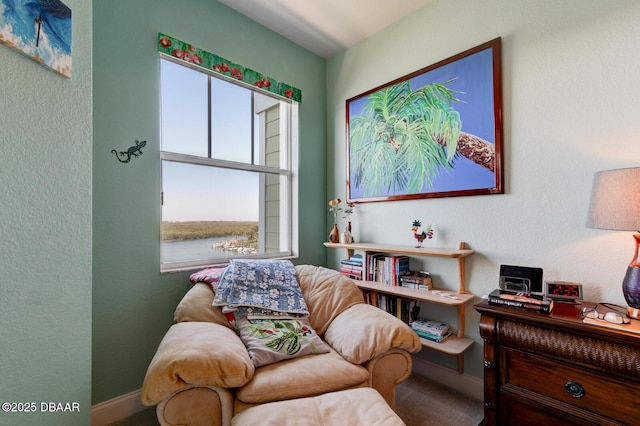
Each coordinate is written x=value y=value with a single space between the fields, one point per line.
x=196 y=56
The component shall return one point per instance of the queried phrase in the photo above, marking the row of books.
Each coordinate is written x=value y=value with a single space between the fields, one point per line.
x=406 y=310
x=390 y=270
x=386 y=268
x=520 y=300
x=394 y=270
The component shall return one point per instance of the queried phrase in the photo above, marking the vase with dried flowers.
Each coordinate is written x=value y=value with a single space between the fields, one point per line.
x=334 y=207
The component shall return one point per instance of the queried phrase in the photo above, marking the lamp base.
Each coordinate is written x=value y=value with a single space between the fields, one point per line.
x=633 y=313
x=631 y=289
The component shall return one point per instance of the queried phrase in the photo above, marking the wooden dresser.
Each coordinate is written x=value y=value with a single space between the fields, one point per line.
x=554 y=370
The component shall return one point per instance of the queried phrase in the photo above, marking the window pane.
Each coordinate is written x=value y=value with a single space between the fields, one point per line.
x=210 y=213
x=184 y=110
x=230 y=122
x=213 y=213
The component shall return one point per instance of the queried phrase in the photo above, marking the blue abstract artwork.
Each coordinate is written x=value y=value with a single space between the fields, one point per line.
x=39 y=29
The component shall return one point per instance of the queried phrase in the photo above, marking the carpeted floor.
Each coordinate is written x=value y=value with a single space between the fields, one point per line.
x=419 y=402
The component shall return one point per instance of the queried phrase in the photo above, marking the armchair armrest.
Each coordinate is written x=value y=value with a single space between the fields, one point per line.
x=196 y=354
x=364 y=332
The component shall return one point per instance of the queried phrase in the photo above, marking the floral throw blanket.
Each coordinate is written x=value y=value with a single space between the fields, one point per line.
x=261 y=289
x=262 y=298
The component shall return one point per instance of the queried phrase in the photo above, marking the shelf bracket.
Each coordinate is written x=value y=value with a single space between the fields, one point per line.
x=461 y=270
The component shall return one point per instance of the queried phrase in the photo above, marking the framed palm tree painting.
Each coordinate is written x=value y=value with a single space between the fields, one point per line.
x=436 y=132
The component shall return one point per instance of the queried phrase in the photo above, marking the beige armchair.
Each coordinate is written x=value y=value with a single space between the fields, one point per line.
x=201 y=373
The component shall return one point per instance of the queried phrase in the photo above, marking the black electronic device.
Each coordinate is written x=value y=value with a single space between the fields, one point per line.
x=521 y=279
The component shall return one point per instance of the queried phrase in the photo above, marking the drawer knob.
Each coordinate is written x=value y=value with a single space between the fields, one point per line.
x=574 y=389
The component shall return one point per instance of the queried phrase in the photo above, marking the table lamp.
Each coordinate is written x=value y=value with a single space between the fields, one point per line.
x=615 y=205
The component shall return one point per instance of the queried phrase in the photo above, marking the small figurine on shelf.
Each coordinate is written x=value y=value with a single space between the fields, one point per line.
x=348 y=237
x=419 y=234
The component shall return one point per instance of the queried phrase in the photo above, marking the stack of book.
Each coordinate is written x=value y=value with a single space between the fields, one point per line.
x=420 y=280
x=521 y=300
x=352 y=267
x=432 y=330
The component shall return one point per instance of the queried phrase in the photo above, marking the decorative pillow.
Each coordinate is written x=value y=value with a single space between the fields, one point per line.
x=272 y=340
x=210 y=276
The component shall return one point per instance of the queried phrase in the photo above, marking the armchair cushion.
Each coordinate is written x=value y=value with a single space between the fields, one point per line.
x=196 y=306
x=327 y=293
x=196 y=354
x=301 y=377
x=363 y=332
x=362 y=406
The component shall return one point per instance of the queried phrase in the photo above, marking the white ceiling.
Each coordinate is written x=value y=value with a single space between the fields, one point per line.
x=325 y=27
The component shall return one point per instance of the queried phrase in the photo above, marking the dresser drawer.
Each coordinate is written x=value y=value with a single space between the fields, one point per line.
x=519 y=411
x=549 y=381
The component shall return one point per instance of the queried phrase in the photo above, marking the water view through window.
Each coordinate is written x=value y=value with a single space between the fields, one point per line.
x=183 y=240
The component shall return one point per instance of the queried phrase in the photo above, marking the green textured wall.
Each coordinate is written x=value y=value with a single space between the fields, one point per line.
x=45 y=232
x=132 y=302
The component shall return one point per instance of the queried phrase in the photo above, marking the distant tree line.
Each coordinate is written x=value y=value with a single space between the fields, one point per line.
x=178 y=231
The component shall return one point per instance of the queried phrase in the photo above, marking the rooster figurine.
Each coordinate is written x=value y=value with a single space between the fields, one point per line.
x=419 y=234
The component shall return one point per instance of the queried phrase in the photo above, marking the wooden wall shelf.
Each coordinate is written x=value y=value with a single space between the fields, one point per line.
x=454 y=345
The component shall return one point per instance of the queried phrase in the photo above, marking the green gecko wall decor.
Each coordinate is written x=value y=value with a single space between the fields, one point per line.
x=134 y=151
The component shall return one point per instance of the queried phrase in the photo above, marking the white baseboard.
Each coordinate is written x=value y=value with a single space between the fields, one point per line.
x=115 y=409
x=466 y=384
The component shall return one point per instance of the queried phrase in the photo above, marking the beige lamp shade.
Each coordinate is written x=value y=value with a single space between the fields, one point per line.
x=615 y=200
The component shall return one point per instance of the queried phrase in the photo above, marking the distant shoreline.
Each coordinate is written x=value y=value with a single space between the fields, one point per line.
x=229 y=237
x=196 y=230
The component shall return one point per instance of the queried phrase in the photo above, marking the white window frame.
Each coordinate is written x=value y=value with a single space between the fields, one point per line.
x=289 y=114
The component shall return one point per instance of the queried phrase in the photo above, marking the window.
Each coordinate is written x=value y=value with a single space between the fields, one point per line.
x=228 y=170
